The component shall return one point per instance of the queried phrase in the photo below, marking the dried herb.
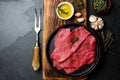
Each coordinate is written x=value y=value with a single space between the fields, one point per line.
x=62 y=10
x=78 y=4
x=100 y=5
x=107 y=39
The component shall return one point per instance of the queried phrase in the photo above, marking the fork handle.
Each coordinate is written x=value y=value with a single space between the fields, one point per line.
x=36 y=58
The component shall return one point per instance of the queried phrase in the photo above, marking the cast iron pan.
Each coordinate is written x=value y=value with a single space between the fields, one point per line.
x=83 y=70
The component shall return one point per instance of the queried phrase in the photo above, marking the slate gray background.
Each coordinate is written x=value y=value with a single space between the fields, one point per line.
x=17 y=40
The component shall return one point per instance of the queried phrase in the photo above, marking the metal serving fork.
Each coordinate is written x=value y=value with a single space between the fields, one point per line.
x=36 y=56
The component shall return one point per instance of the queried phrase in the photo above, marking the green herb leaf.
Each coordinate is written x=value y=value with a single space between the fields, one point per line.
x=62 y=10
x=107 y=39
x=100 y=5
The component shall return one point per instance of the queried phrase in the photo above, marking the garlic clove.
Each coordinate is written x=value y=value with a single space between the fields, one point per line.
x=92 y=25
x=78 y=14
x=100 y=26
x=96 y=23
x=100 y=22
x=80 y=19
x=96 y=28
x=100 y=19
x=92 y=18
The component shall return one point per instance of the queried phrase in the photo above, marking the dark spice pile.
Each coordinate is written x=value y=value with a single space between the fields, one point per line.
x=100 y=5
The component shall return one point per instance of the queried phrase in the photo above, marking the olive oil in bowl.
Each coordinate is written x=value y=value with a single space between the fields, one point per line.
x=65 y=10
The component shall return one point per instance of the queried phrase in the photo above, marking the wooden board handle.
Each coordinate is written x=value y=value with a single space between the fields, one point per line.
x=36 y=58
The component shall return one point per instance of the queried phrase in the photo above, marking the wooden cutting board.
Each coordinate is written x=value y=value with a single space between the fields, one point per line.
x=50 y=23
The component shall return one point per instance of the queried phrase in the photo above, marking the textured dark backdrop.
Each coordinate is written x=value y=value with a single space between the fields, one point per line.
x=17 y=40
x=109 y=66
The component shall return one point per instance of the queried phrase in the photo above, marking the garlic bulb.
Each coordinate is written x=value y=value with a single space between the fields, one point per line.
x=92 y=18
x=78 y=14
x=96 y=22
x=80 y=19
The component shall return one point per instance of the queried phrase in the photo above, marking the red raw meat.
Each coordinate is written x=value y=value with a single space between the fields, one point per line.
x=73 y=66
x=70 y=55
x=63 y=46
x=84 y=55
x=61 y=36
x=69 y=70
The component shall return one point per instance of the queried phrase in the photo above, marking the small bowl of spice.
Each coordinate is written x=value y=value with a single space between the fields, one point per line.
x=65 y=10
x=101 y=6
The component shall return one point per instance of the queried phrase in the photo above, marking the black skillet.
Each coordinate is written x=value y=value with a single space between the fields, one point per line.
x=83 y=70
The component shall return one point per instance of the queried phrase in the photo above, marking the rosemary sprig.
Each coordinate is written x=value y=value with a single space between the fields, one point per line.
x=107 y=39
x=100 y=5
x=62 y=10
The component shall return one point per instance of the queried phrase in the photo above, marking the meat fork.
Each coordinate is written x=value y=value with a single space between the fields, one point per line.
x=36 y=54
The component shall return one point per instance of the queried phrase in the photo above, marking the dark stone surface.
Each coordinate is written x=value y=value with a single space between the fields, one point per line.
x=17 y=40
x=109 y=65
